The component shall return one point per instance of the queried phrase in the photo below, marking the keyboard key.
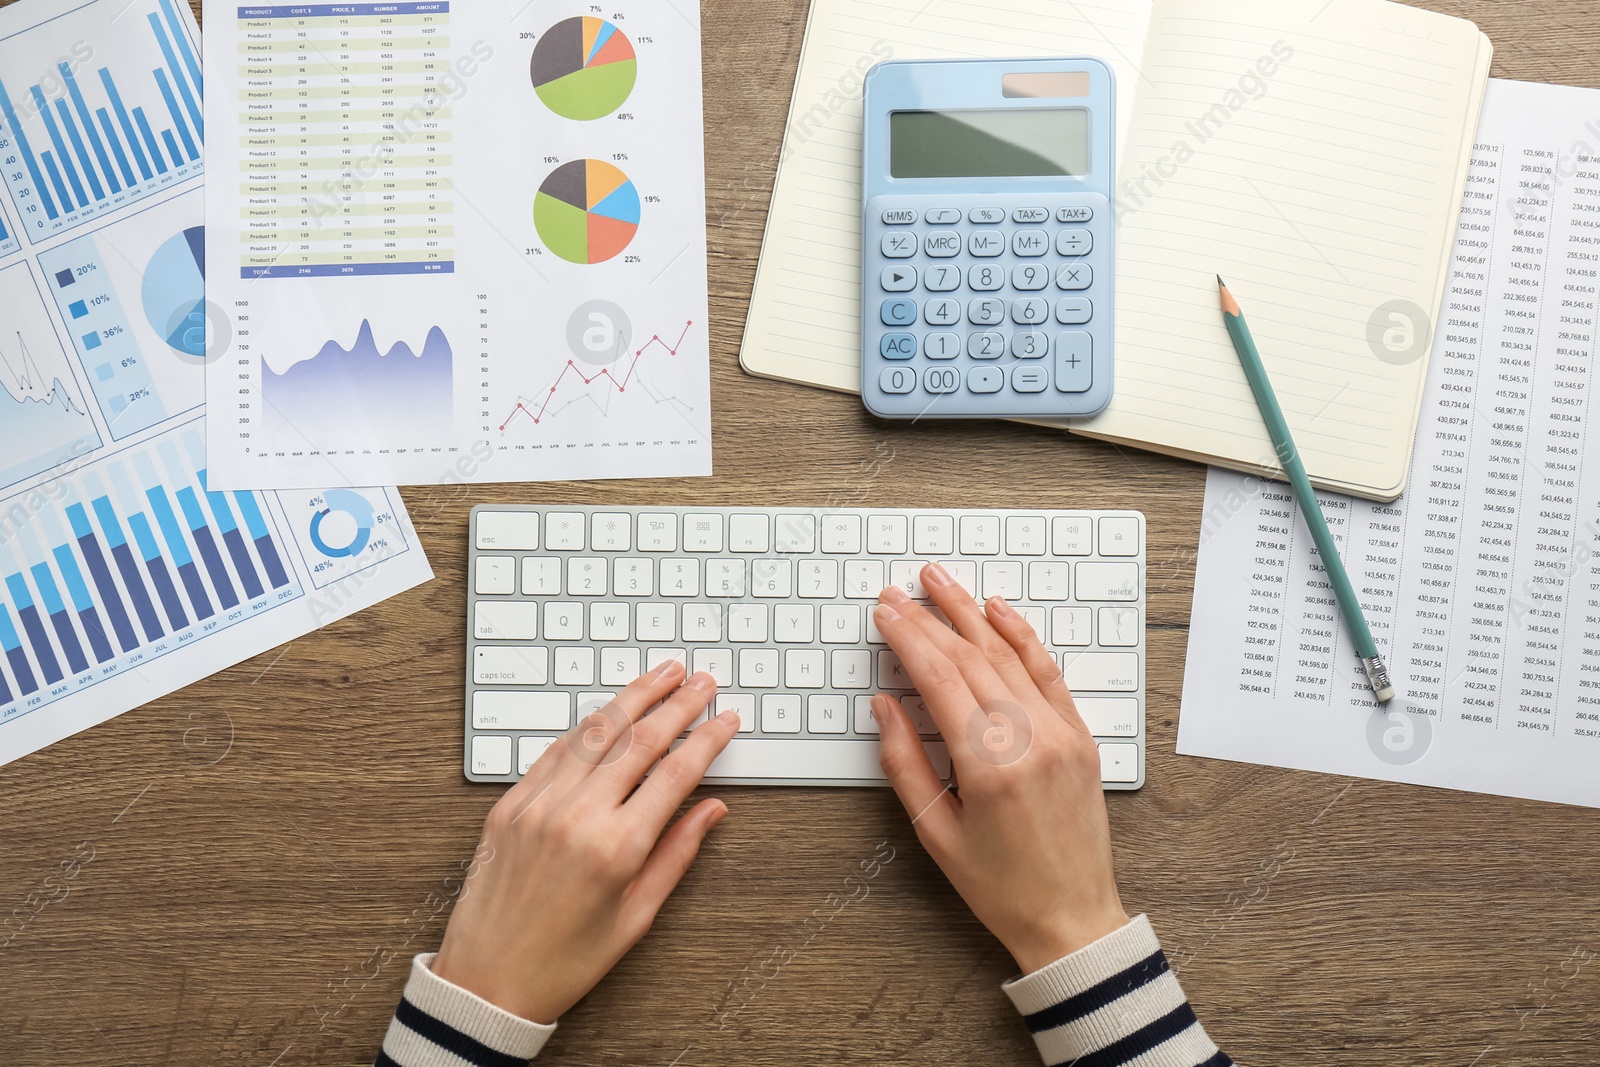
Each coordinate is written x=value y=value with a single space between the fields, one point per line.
x=509 y=710
x=655 y=657
x=1025 y=535
x=933 y=534
x=680 y=577
x=828 y=715
x=772 y=578
x=987 y=345
x=741 y=704
x=986 y=311
x=851 y=668
x=747 y=623
x=1048 y=581
x=657 y=622
x=900 y=216
x=1109 y=716
x=530 y=749
x=1029 y=379
x=897 y=380
x=942 y=278
x=940 y=380
x=864 y=578
x=1030 y=243
x=1074 y=242
x=795 y=531
x=1035 y=617
x=1029 y=345
x=1074 y=214
x=1119 y=627
x=725 y=577
x=563 y=531
x=1108 y=581
x=574 y=665
x=941 y=345
x=1074 y=310
x=906 y=574
x=1030 y=277
x=942 y=216
x=1002 y=578
x=794 y=624
x=586 y=575
x=900 y=312
x=1030 y=311
x=819 y=578
x=610 y=533
x=1030 y=215
x=985 y=278
x=633 y=576
x=1071 y=535
x=658 y=532
x=986 y=216
x=805 y=668
x=796 y=759
x=1074 y=276
x=841 y=533
x=1119 y=535
x=1119 y=763
x=541 y=576
x=866 y=718
x=899 y=244
x=899 y=279
x=985 y=379
x=1074 y=361
x=508 y=530
x=496 y=575
x=511 y=665
x=758 y=668
x=563 y=621
x=619 y=666
x=717 y=662
x=505 y=621
x=964 y=572
x=609 y=622
x=702 y=622
x=1071 y=627
x=941 y=244
x=491 y=754
x=841 y=624
x=986 y=244
x=942 y=311
x=702 y=533
x=1106 y=672
x=892 y=674
x=780 y=713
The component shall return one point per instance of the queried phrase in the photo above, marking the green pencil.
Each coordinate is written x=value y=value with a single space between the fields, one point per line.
x=1289 y=456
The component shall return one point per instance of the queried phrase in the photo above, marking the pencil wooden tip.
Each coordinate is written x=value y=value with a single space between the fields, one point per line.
x=1230 y=306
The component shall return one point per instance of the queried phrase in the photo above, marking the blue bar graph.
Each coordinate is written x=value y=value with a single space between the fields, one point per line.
x=123 y=555
x=177 y=78
x=21 y=669
x=125 y=122
x=83 y=604
x=62 y=159
x=56 y=609
x=190 y=61
x=181 y=558
x=116 y=145
x=14 y=127
x=89 y=545
x=150 y=141
x=172 y=148
x=204 y=540
x=33 y=626
x=55 y=178
x=159 y=575
x=262 y=538
x=234 y=540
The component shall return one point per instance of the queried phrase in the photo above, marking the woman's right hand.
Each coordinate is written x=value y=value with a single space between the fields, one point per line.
x=1026 y=842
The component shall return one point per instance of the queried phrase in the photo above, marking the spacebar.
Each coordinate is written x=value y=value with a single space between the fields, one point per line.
x=783 y=758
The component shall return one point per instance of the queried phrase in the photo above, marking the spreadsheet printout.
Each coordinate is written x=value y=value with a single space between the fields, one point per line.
x=1482 y=583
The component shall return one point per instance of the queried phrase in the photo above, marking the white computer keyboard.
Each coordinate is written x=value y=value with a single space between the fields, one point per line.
x=567 y=604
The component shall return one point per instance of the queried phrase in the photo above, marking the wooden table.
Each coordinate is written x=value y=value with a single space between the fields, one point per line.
x=271 y=846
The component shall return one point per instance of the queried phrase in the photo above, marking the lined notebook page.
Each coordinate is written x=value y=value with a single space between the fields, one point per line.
x=1321 y=191
x=804 y=322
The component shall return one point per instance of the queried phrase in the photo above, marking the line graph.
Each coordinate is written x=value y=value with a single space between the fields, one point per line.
x=526 y=407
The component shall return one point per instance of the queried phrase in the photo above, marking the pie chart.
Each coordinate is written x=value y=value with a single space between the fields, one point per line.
x=587 y=211
x=174 y=292
x=584 y=68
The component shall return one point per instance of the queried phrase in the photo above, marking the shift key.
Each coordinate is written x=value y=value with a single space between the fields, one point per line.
x=1107 y=581
x=1101 y=672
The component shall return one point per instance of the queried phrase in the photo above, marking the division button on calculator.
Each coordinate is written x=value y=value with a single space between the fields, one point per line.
x=1075 y=214
x=986 y=244
x=985 y=379
x=899 y=312
x=942 y=216
x=1074 y=361
x=986 y=216
x=899 y=244
x=899 y=279
x=897 y=346
x=1074 y=276
x=942 y=278
x=1030 y=243
x=1031 y=215
x=900 y=216
x=1029 y=379
x=1074 y=310
x=1074 y=243
x=897 y=380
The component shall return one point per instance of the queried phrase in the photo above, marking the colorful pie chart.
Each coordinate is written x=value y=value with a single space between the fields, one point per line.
x=584 y=68
x=587 y=211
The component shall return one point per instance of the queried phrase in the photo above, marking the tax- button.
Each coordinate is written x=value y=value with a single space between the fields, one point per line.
x=986 y=243
x=986 y=216
x=899 y=312
x=942 y=216
x=900 y=216
x=1031 y=216
x=1075 y=214
x=942 y=244
x=1074 y=243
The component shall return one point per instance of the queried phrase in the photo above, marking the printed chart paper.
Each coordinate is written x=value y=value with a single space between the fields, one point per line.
x=124 y=572
x=456 y=241
x=1482 y=584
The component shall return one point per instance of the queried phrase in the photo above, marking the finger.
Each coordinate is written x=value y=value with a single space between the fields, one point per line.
x=593 y=739
x=979 y=675
x=628 y=760
x=1039 y=663
x=905 y=762
x=971 y=623
x=669 y=861
x=943 y=688
x=666 y=787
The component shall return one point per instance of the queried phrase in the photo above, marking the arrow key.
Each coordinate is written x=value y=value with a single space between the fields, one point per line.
x=1119 y=763
x=899 y=279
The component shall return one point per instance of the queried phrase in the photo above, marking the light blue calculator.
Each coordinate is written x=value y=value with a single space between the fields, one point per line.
x=987 y=238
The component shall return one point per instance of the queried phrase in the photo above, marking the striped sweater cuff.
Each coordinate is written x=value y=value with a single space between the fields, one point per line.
x=1113 y=1003
x=439 y=1024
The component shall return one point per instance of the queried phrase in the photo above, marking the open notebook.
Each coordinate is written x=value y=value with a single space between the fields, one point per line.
x=1312 y=152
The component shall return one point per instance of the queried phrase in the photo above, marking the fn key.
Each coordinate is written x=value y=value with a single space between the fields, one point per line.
x=1074 y=362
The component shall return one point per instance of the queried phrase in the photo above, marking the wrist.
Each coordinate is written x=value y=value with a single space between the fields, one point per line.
x=1042 y=947
x=501 y=994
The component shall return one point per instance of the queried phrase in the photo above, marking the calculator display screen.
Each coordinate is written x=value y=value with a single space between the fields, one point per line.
x=1005 y=142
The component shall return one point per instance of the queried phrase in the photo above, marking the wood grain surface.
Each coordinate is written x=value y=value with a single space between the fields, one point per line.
x=270 y=847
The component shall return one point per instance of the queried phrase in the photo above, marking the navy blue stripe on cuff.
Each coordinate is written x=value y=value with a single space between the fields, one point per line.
x=452 y=1040
x=1099 y=995
x=1141 y=1040
x=384 y=1060
x=1219 y=1060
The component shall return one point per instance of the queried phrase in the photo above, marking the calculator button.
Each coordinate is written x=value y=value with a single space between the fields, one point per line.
x=942 y=216
x=985 y=379
x=1074 y=243
x=941 y=379
x=1074 y=362
x=944 y=311
x=899 y=244
x=899 y=312
x=899 y=279
x=987 y=311
x=1030 y=277
x=986 y=244
x=1029 y=379
x=987 y=345
x=1074 y=310
x=1029 y=344
x=941 y=346
x=900 y=216
x=942 y=244
x=897 y=380
x=985 y=278
x=986 y=216
x=1030 y=310
x=942 y=278
x=897 y=346
x=1074 y=276
x=1030 y=243
x=1031 y=215
x=1074 y=214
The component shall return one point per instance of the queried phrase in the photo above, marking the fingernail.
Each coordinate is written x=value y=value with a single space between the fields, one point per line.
x=702 y=681
x=895 y=595
x=666 y=667
x=999 y=606
x=730 y=716
x=887 y=614
x=933 y=574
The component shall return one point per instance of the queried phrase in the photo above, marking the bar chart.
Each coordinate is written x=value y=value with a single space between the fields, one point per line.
x=8 y=240
x=88 y=138
x=140 y=559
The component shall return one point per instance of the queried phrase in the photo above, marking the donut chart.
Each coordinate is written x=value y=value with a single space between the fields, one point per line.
x=586 y=211
x=584 y=68
x=355 y=507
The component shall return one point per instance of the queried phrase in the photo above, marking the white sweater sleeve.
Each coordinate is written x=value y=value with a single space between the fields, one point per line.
x=439 y=1024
